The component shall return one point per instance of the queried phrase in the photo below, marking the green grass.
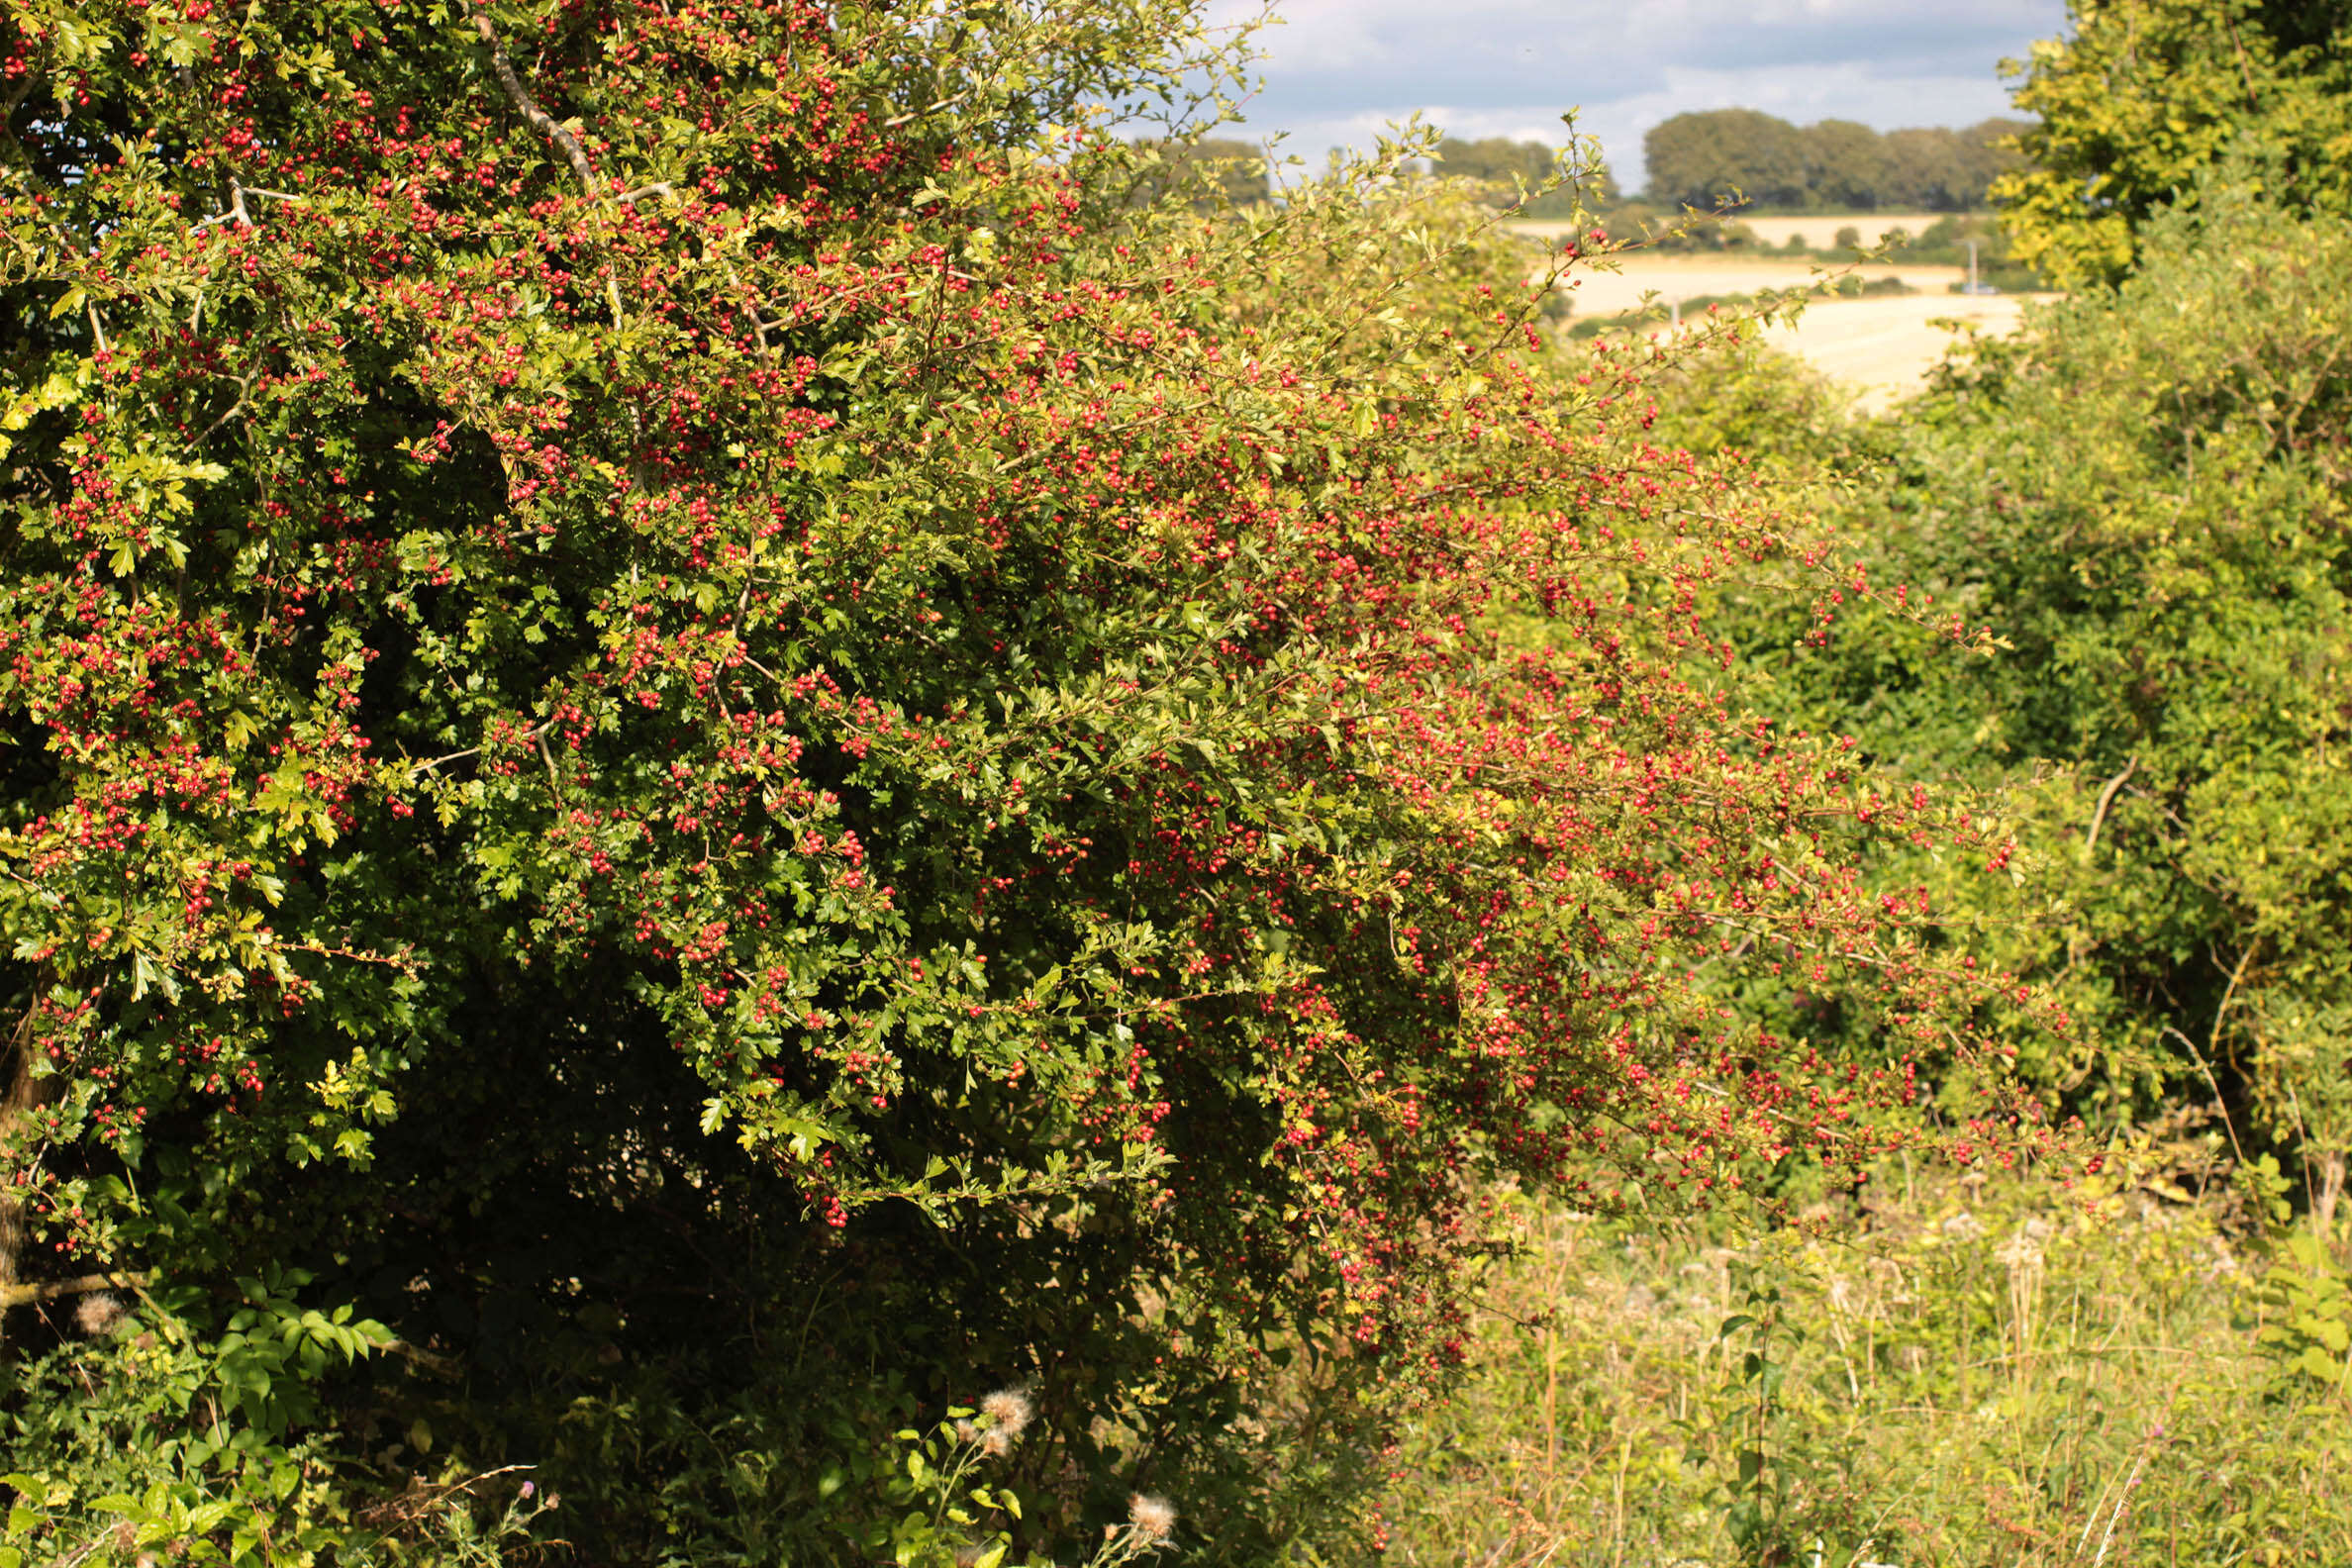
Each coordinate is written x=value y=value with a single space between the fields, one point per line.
x=1967 y=1374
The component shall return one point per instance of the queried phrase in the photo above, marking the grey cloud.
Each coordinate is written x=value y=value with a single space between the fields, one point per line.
x=1631 y=65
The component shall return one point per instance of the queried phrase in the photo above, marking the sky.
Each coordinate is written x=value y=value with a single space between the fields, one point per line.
x=1337 y=71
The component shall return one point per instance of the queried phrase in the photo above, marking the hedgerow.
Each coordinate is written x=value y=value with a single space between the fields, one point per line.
x=694 y=716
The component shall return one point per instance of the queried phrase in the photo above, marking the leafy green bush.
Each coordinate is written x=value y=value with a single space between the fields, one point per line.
x=693 y=707
x=2144 y=518
x=2145 y=99
x=157 y=1432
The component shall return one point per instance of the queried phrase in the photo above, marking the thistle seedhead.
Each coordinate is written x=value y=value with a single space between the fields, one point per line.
x=1154 y=1517
x=1009 y=1410
x=98 y=1313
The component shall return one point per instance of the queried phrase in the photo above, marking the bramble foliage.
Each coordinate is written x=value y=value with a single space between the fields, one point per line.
x=2145 y=98
x=2152 y=519
x=688 y=712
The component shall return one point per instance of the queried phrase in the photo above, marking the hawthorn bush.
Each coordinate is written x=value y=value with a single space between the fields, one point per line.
x=707 y=744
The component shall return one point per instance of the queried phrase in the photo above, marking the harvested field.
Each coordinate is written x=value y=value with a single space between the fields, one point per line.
x=1879 y=346
x=1680 y=277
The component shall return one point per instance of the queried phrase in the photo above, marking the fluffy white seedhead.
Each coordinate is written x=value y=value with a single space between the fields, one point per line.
x=1155 y=1517
x=1009 y=1410
x=98 y=1313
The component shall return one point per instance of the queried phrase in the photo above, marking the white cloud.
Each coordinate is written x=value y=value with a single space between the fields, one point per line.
x=1337 y=70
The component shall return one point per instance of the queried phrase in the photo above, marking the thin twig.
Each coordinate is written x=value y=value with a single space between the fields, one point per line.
x=917 y=114
x=2124 y=1502
x=2214 y=1036
x=2106 y=797
x=234 y=409
x=72 y=1558
x=417 y=1355
x=532 y=734
x=2198 y=1057
x=16 y=100
x=2246 y=69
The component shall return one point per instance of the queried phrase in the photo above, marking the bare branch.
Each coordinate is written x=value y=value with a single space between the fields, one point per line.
x=51 y=1290
x=917 y=114
x=526 y=105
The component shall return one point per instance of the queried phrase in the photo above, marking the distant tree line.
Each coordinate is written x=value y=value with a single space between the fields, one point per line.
x=1698 y=159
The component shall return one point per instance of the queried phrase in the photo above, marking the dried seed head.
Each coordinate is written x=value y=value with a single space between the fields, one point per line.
x=1155 y=1517
x=97 y=1314
x=965 y=1432
x=1009 y=1410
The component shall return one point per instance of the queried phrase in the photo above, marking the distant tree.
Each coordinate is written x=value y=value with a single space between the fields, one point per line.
x=1695 y=159
x=1943 y=171
x=1846 y=164
x=2145 y=94
x=1494 y=158
x=1993 y=153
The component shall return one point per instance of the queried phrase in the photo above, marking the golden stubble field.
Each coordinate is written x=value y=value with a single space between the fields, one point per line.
x=1878 y=347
